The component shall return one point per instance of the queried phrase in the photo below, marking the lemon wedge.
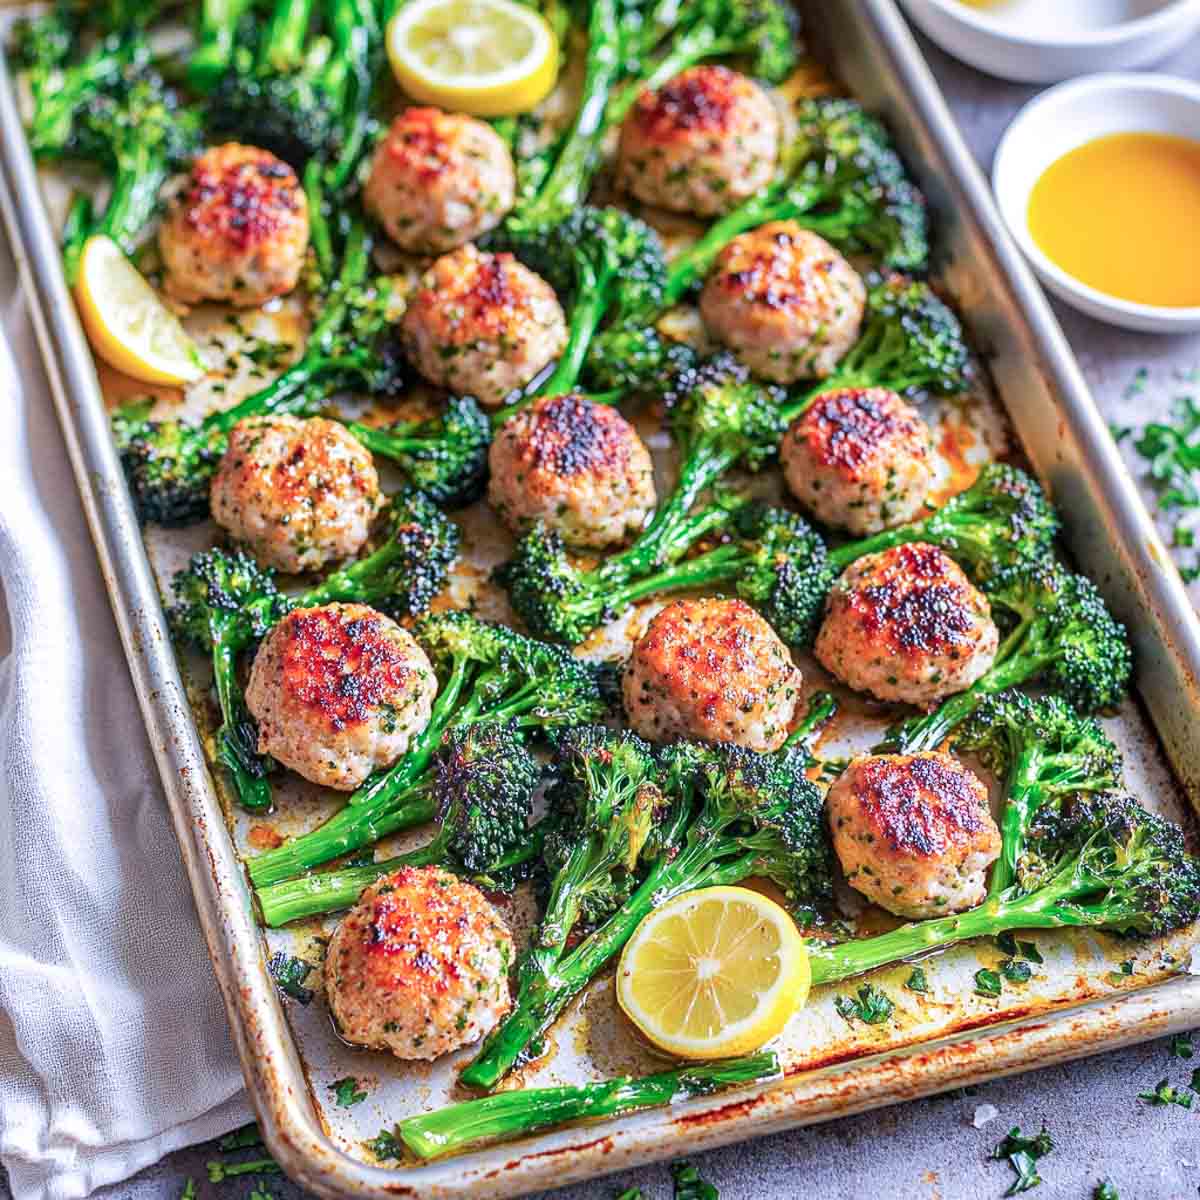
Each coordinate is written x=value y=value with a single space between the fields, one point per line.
x=492 y=58
x=714 y=973
x=126 y=322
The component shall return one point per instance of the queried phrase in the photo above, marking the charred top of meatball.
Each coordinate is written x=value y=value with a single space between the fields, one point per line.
x=243 y=199
x=920 y=805
x=341 y=669
x=922 y=603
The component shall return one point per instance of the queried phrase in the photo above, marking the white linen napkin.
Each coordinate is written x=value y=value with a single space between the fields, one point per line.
x=113 y=1044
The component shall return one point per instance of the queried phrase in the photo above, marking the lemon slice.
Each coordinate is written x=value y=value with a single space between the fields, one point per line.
x=127 y=324
x=487 y=57
x=714 y=973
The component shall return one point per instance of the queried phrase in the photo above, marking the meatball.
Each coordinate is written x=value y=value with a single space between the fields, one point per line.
x=859 y=458
x=714 y=670
x=238 y=231
x=913 y=832
x=482 y=324
x=338 y=692
x=907 y=625
x=785 y=301
x=700 y=144
x=299 y=493
x=438 y=180
x=575 y=464
x=419 y=966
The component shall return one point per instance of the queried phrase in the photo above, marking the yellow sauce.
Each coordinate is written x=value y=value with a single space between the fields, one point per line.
x=1122 y=214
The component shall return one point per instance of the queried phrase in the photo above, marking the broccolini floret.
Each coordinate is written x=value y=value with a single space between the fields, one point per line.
x=482 y=784
x=1061 y=634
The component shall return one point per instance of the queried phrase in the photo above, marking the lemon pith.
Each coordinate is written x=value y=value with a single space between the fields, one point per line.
x=126 y=322
x=714 y=973
x=488 y=57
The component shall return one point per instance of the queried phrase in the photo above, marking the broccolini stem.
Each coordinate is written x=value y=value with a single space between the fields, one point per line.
x=355 y=28
x=842 y=556
x=510 y=1114
x=585 y=320
x=658 y=543
x=252 y=787
x=1049 y=907
x=694 y=262
x=312 y=895
x=76 y=230
x=213 y=54
x=822 y=708
x=567 y=184
x=319 y=235
x=289 y=390
x=1018 y=806
x=536 y=1010
x=285 y=35
x=718 y=566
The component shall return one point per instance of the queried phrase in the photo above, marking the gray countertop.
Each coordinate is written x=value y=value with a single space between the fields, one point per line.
x=930 y=1149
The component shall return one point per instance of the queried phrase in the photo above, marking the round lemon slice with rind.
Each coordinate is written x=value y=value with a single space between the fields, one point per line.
x=714 y=973
x=492 y=58
x=127 y=323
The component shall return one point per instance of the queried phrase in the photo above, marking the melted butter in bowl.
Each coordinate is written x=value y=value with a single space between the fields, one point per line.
x=1121 y=213
x=1098 y=181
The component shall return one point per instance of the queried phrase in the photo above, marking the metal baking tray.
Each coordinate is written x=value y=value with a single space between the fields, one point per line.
x=290 y=1057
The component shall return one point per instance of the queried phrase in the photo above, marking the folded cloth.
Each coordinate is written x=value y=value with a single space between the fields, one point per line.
x=113 y=1044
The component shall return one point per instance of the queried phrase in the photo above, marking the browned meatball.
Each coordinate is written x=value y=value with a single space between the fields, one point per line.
x=714 y=670
x=575 y=464
x=907 y=625
x=913 y=832
x=419 y=966
x=338 y=692
x=299 y=493
x=438 y=180
x=785 y=301
x=482 y=325
x=238 y=231
x=859 y=458
x=702 y=143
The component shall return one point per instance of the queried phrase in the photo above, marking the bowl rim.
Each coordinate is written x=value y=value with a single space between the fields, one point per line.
x=1122 y=31
x=1112 y=83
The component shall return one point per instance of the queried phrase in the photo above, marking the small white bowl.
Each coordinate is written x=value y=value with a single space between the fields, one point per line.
x=1043 y=41
x=1058 y=121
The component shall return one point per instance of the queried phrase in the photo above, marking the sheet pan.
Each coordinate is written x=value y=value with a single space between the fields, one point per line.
x=289 y=1058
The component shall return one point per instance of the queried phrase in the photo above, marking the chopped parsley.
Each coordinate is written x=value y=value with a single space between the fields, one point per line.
x=219 y=1171
x=385 y=1144
x=1171 y=452
x=689 y=1185
x=241 y=1139
x=1007 y=942
x=189 y=1190
x=871 y=1006
x=289 y=974
x=917 y=981
x=1105 y=1191
x=1121 y=973
x=1164 y=1094
x=346 y=1093
x=1022 y=1154
x=1181 y=1046
x=988 y=983
x=1016 y=970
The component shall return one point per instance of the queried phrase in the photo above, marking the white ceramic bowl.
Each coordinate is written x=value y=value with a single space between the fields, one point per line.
x=1043 y=41
x=1063 y=118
